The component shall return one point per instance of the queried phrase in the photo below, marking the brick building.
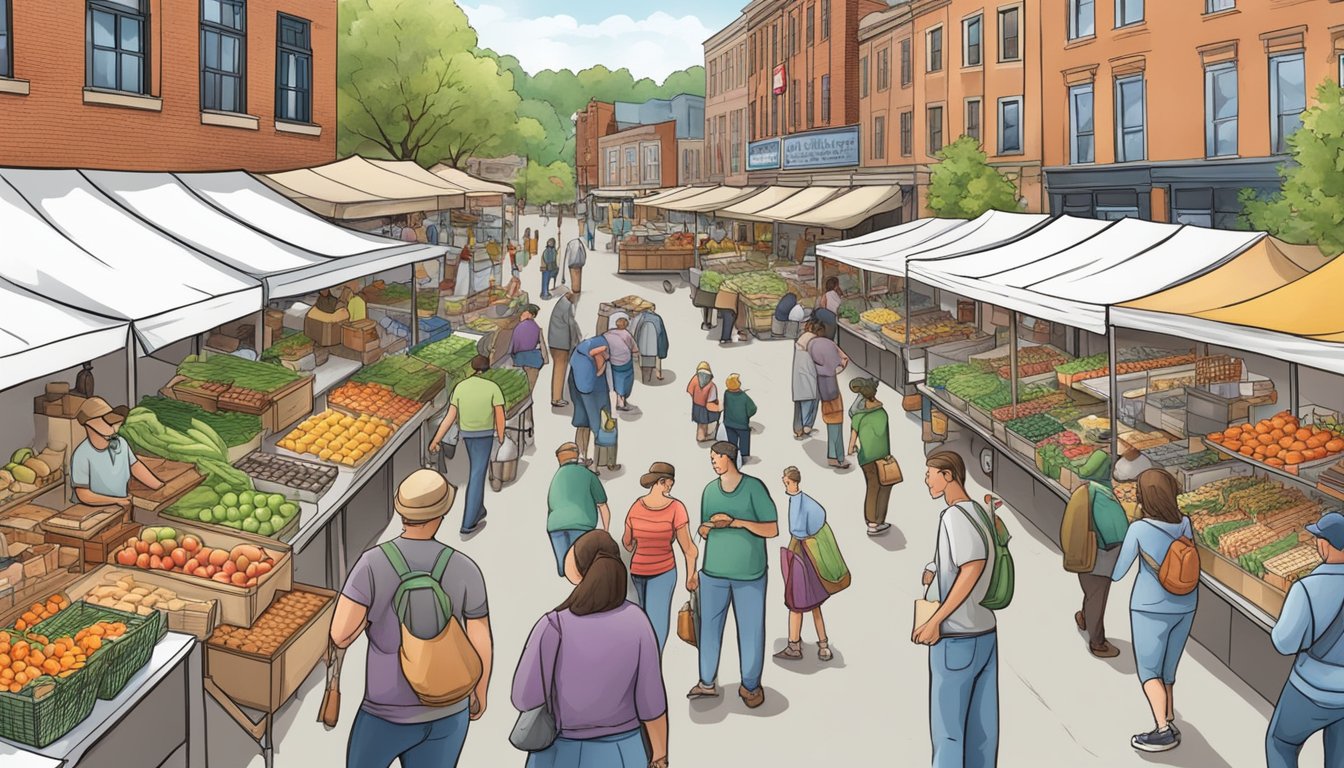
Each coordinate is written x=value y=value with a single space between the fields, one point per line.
x=168 y=84
x=641 y=158
x=726 y=105
x=1165 y=110
x=598 y=119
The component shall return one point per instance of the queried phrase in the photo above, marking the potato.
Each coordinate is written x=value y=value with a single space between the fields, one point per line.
x=127 y=607
x=133 y=598
x=164 y=594
x=143 y=610
x=150 y=601
x=175 y=604
x=125 y=584
x=142 y=591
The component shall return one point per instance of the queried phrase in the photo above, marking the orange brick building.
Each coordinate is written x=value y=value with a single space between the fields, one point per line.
x=596 y=120
x=644 y=157
x=1165 y=110
x=168 y=84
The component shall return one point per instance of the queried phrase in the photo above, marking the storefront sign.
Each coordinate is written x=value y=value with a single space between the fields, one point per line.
x=763 y=155
x=781 y=78
x=822 y=149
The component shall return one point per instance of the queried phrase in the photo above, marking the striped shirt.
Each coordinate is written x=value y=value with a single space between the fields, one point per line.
x=653 y=532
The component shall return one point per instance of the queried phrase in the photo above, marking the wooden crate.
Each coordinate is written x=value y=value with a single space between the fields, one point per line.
x=288 y=405
x=1228 y=573
x=99 y=548
x=177 y=389
x=268 y=682
x=199 y=618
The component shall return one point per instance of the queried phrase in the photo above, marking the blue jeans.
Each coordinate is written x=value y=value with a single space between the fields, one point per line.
x=547 y=280
x=654 y=595
x=478 y=461
x=1296 y=718
x=1159 y=640
x=804 y=414
x=728 y=318
x=623 y=750
x=747 y=599
x=377 y=743
x=964 y=701
x=742 y=439
x=835 y=442
x=561 y=541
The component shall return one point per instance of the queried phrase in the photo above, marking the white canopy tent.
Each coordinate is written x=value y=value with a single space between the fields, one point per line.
x=674 y=193
x=40 y=336
x=698 y=199
x=850 y=208
x=863 y=250
x=988 y=230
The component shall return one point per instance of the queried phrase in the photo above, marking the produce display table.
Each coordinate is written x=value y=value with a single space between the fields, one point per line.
x=158 y=719
x=654 y=258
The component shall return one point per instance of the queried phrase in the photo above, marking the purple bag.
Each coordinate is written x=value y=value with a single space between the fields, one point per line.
x=803 y=590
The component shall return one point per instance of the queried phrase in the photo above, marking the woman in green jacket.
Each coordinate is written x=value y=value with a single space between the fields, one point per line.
x=870 y=438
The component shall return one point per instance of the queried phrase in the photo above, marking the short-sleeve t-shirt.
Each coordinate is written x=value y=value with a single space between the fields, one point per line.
x=572 y=500
x=654 y=530
x=372 y=583
x=476 y=399
x=961 y=541
x=107 y=471
x=736 y=553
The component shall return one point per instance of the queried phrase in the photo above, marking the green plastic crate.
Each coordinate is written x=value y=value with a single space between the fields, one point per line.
x=48 y=709
x=118 y=660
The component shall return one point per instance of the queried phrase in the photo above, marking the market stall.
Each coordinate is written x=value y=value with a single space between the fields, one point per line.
x=652 y=248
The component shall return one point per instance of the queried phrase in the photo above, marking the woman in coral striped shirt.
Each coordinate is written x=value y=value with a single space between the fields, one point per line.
x=656 y=520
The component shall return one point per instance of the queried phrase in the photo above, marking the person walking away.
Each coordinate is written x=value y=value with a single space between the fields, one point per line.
x=737 y=515
x=705 y=407
x=1311 y=628
x=623 y=352
x=393 y=722
x=830 y=361
x=738 y=408
x=594 y=662
x=588 y=388
x=564 y=334
x=651 y=338
x=805 y=396
x=1159 y=618
x=961 y=634
x=548 y=268
x=807 y=519
x=576 y=256
x=592 y=234
x=545 y=213
x=870 y=438
x=574 y=503
x=527 y=347
x=1090 y=534
x=477 y=407
x=828 y=308
x=654 y=522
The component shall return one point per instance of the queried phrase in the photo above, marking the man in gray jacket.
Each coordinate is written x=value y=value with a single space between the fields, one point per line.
x=575 y=257
x=562 y=334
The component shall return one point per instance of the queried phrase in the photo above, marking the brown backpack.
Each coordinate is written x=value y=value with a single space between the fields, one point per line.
x=1179 y=572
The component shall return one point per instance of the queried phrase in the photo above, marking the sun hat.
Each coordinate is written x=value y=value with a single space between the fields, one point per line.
x=1330 y=527
x=423 y=496
x=658 y=470
x=95 y=410
x=703 y=366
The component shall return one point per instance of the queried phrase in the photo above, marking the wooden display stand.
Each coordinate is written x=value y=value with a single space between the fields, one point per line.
x=649 y=257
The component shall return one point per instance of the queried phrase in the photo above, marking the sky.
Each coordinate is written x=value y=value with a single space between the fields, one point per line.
x=651 y=39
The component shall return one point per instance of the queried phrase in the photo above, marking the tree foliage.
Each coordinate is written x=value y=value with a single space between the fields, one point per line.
x=1310 y=209
x=964 y=185
x=540 y=184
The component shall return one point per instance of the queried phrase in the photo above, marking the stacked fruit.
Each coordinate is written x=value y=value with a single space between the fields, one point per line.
x=375 y=400
x=336 y=437
x=157 y=549
x=1281 y=441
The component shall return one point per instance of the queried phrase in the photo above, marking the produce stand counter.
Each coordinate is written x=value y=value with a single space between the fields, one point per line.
x=157 y=719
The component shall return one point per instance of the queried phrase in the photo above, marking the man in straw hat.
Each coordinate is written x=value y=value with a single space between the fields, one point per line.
x=102 y=466
x=575 y=500
x=392 y=722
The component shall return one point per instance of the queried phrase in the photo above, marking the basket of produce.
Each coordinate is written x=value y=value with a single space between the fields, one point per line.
x=875 y=319
x=408 y=376
x=1026 y=432
x=1280 y=442
x=296 y=478
x=38 y=711
x=338 y=437
x=27 y=472
x=374 y=399
x=1217 y=369
x=270 y=515
x=119 y=589
x=123 y=640
x=295 y=346
x=513 y=383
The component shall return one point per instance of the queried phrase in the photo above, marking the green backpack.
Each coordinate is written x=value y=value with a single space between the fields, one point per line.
x=1002 y=580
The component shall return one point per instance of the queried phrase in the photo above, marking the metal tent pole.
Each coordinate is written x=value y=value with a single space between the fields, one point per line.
x=1113 y=410
x=1012 y=355
x=131 y=345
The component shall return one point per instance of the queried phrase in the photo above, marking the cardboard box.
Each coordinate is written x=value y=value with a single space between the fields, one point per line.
x=66 y=557
x=62 y=407
x=38 y=560
x=370 y=355
x=324 y=333
x=359 y=335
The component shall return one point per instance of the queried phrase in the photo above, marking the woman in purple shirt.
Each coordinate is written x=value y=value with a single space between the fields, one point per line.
x=525 y=346
x=601 y=655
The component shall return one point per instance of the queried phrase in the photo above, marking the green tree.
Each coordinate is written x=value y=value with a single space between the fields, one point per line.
x=412 y=87
x=540 y=184
x=545 y=148
x=1310 y=209
x=964 y=185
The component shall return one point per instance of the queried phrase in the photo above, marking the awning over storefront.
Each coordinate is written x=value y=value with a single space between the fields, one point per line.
x=40 y=337
x=852 y=207
x=766 y=198
x=670 y=194
x=471 y=185
x=616 y=194
x=242 y=224
x=784 y=211
x=356 y=188
x=699 y=199
x=862 y=251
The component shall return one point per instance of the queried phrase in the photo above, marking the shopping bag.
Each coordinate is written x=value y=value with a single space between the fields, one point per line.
x=803 y=590
x=824 y=552
x=888 y=471
x=688 y=620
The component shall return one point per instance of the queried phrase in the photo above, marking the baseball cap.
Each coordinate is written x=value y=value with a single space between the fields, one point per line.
x=1330 y=527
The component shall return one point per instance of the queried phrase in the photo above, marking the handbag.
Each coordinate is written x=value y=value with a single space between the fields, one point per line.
x=688 y=620
x=537 y=728
x=330 y=711
x=888 y=471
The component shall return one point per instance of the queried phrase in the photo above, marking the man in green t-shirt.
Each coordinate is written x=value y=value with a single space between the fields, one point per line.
x=737 y=515
x=573 y=504
x=477 y=406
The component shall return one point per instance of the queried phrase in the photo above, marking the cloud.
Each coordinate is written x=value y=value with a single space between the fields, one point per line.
x=652 y=47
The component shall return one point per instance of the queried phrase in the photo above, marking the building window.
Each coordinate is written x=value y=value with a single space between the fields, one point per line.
x=116 y=52
x=811 y=103
x=223 y=52
x=1130 y=140
x=879 y=137
x=825 y=19
x=1128 y=12
x=613 y=167
x=1214 y=6
x=6 y=59
x=971 y=44
x=294 y=71
x=811 y=24
x=1010 y=35
x=774 y=43
x=1220 y=110
x=751 y=120
x=883 y=69
x=631 y=165
x=825 y=99
x=907 y=133
x=935 y=129
x=774 y=114
x=1113 y=206
x=742 y=65
x=1010 y=126
x=793 y=105
x=723 y=136
x=863 y=77
x=793 y=34
x=1082 y=18
x=1081 y=130
x=735 y=149
x=935 y=62
x=1287 y=99
x=905 y=62
x=973 y=118
x=713 y=78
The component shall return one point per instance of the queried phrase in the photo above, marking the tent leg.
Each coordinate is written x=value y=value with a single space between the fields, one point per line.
x=1012 y=355
x=415 y=308
x=257 y=333
x=1293 y=390
x=1113 y=407
x=131 y=399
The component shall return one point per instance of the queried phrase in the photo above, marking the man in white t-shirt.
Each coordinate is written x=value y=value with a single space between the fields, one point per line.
x=963 y=643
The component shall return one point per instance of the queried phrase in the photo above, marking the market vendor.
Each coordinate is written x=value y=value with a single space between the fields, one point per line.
x=623 y=350
x=102 y=466
x=589 y=391
x=526 y=345
x=651 y=336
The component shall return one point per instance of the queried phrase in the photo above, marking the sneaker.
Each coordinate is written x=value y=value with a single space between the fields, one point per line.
x=1156 y=741
x=877 y=530
x=752 y=699
x=702 y=691
x=1105 y=651
x=1172 y=725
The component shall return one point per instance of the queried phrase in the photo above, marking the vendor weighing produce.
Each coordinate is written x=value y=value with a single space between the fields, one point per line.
x=102 y=466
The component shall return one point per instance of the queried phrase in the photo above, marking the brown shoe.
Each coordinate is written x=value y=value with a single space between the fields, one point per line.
x=791 y=651
x=1104 y=651
x=752 y=699
x=1080 y=621
x=701 y=691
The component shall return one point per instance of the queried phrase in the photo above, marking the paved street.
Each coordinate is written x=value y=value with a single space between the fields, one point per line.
x=868 y=706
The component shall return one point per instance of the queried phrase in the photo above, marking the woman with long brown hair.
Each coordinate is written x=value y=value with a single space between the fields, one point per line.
x=594 y=662
x=1159 y=619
